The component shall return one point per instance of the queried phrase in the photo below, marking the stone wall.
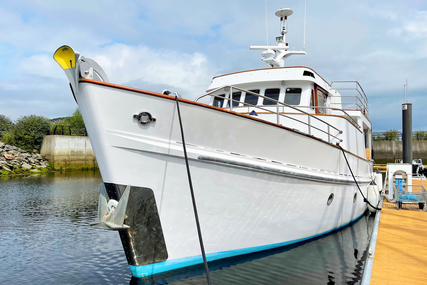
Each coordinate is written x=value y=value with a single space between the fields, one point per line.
x=68 y=152
x=388 y=151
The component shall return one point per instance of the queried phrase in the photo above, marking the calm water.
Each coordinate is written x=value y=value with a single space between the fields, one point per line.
x=45 y=239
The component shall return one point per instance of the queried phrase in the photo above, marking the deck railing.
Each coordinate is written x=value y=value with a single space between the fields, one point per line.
x=352 y=96
x=326 y=129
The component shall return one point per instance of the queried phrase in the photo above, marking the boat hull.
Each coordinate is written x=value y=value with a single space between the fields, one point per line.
x=257 y=185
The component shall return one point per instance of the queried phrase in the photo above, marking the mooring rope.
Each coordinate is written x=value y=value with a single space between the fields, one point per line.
x=192 y=194
x=357 y=184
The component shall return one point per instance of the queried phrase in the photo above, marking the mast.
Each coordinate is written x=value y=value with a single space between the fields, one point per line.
x=275 y=55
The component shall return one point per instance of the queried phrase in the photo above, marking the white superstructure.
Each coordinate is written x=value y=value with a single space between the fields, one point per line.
x=265 y=164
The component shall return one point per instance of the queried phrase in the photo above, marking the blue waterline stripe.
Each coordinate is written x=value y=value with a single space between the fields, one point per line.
x=168 y=265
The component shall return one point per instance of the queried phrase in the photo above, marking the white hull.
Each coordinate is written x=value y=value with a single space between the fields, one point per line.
x=257 y=185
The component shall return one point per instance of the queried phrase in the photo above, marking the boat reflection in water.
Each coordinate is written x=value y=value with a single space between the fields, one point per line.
x=337 y=258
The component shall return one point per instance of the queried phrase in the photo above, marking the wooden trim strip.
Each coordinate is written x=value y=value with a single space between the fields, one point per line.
x=107 y=84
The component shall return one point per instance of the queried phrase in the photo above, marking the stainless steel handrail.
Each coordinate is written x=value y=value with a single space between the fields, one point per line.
x=360 y=94
x=309 y=116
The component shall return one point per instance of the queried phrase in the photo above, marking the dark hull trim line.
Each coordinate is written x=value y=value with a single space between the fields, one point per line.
x=278 y=171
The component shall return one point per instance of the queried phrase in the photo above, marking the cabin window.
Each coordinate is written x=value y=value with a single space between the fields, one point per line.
x=252 y=99
x=273 y=94
x=293 y=96
x=308 y=73
x=322 y=98
x=218 y=101
x=236 y=97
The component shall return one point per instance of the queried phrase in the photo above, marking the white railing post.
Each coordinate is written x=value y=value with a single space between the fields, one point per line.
x=309 y=124
x=329 y=133
x=231 y=98
x=278 y=113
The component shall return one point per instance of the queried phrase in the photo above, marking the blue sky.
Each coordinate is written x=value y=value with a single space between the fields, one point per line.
x=181 y=45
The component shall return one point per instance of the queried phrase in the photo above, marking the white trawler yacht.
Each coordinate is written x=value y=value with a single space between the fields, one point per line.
x=265 y=163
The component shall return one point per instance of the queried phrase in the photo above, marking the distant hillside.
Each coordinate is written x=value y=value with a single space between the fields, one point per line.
x=54 y=120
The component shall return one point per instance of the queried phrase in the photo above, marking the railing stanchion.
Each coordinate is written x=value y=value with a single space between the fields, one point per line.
x=309 y=124
x=231 y=98
x=278 y=114
x=329 y=134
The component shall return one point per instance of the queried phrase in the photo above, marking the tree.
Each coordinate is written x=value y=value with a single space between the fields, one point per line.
x=391 y=135
x=420 y=135
x=5 y=125
x=29 y=131
x=77 y=123
x=73 y=126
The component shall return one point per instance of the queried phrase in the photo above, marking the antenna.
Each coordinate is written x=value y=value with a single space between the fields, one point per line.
x=266 y=21
x=305 y=17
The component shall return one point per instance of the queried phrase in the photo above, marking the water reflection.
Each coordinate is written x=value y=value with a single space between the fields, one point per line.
x=45 y=239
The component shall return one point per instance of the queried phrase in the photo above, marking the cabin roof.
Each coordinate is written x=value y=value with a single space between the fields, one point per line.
x=300 y=73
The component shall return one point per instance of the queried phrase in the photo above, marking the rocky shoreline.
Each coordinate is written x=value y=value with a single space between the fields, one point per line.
x=14 y=160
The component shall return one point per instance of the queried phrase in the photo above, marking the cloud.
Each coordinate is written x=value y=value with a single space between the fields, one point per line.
x=41 y=65
x=417 y=28
x=187 y=72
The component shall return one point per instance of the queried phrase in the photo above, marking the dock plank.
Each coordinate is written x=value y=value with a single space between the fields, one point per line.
x=401 y=251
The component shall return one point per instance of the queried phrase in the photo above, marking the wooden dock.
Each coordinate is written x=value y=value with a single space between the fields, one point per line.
x=401 y=248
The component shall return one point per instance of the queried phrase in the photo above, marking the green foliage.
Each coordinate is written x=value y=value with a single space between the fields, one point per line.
x=9 y=137
x=29 y=132
x=77 y=120
x=378 y=138
x=420 y=136
x=73 y=125
x=5 y=125
x=391 y=135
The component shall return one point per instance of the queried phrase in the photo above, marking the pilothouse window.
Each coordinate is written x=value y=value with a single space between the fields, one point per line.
x=236 y=97
x=252 y=99
x=273 y=94
x=218 y=102
x=293 y=96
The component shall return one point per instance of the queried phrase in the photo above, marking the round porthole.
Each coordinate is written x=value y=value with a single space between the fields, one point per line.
x=354 y=197
x=331 y=198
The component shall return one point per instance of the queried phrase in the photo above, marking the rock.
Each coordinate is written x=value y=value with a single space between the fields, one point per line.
x=6 y=168
x=8 y=156
x=26 y=166
x=15 y=158
x=24 y=155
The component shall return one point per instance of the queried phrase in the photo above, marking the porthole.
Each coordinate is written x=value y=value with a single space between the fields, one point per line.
x=331 y=198
x=354 y=197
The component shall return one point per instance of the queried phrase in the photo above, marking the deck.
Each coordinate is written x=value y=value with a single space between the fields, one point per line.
x=401 y=251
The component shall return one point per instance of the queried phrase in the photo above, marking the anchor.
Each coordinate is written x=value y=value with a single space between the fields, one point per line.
x=111 y=214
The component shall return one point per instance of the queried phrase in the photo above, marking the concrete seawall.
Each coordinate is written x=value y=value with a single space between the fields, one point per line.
x=68 y=152
x=388 y=151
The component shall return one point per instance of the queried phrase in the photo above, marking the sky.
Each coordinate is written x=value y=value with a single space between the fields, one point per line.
x=182 y=45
